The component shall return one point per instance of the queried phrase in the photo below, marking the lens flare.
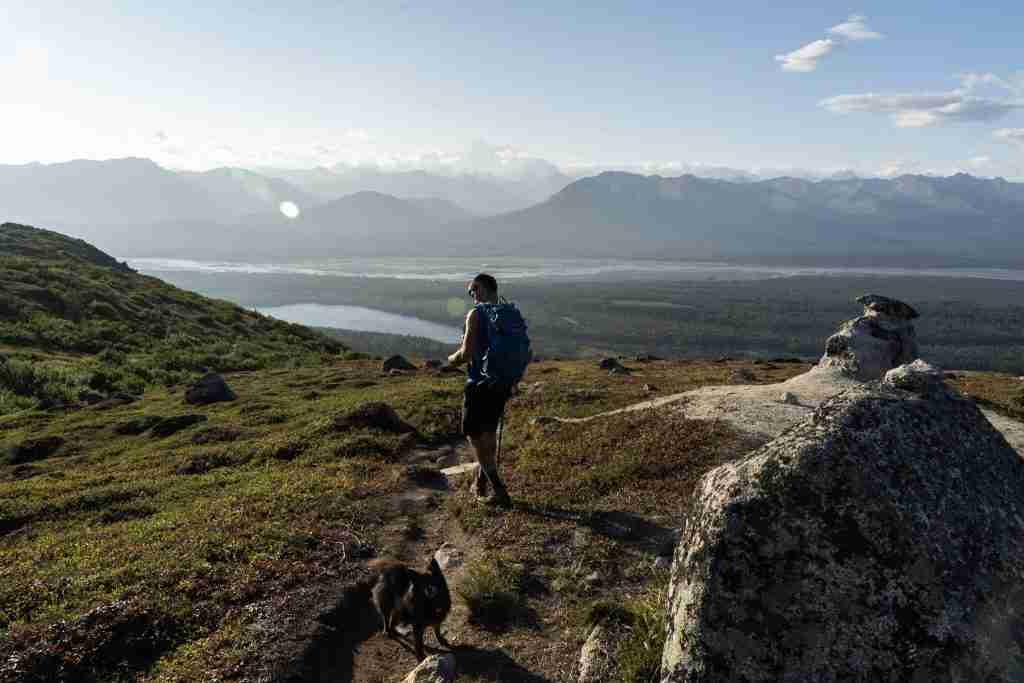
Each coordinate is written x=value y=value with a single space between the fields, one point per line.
x=289 y=209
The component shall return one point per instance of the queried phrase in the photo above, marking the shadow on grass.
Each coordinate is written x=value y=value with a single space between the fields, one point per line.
x=492 y=665
x=624 y=527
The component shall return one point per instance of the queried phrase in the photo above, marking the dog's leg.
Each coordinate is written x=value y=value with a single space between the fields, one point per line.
x=417 y=632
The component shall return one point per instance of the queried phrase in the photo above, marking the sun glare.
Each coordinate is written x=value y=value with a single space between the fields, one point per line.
x=289 y=209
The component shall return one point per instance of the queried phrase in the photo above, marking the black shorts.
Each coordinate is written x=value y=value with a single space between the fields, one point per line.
x=482 y=406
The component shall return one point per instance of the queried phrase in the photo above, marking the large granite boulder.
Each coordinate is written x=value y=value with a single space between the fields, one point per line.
x=878 y=340
x=879 y=539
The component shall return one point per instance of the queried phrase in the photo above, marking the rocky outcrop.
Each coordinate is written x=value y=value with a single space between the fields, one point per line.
x=880 y=339
x=879 y=539
x=211 y=388
x=374 y=415
x=397 y=363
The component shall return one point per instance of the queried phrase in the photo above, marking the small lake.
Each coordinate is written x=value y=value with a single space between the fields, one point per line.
x=362 y=319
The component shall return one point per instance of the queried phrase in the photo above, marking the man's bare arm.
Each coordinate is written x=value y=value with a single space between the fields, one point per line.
x=469 y=339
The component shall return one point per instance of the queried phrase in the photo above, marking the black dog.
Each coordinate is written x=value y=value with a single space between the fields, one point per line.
x=406 y=596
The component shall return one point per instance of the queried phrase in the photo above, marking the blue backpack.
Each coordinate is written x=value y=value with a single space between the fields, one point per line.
x=508 y=347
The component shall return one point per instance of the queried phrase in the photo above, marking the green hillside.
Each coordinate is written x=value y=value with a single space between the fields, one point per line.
x=74 y=320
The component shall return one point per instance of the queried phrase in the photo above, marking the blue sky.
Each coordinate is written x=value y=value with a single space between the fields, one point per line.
x=875 y=87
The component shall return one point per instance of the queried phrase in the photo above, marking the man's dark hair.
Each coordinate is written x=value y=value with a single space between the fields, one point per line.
x=487 y=281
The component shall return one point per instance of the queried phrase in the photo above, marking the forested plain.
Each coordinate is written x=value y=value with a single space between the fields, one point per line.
x=965 y=323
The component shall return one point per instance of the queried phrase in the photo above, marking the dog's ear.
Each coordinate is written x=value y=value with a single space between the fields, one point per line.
x=434 y=567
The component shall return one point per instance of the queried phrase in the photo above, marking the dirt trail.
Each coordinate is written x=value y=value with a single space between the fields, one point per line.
x=353 y=648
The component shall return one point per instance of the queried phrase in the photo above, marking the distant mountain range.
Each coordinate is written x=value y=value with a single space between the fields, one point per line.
x=133 y=207
x=906 y=221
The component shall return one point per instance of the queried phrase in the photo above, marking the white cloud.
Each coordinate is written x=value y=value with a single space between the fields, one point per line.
x=917 y=110
x=979 y=161
x=855 y=28
x=806 y=58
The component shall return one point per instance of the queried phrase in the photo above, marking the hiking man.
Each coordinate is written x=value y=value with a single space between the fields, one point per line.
x=497 y=349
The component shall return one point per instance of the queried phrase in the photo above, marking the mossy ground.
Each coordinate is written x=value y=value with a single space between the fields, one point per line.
x=191 y=535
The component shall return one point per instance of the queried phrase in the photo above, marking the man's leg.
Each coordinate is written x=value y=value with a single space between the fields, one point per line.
x=484 y=447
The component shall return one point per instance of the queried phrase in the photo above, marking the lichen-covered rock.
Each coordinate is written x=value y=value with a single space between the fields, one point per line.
x=881 y=539
x=211 y=388
x=918 y=377
x=433 y=669
x=870 y=345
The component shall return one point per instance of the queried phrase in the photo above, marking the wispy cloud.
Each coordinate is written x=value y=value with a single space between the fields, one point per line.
x=855 y=28
x=805 y=59
x=917 y=110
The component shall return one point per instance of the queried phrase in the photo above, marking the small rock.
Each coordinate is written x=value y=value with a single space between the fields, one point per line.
x=592 y=579
x=790 y=398
x=33 y=449
x=649 y=388
x=211 y=388
x=581 y=538
x=662 y=563
x=395 y=372
x=449 y=557
x=397 y=362
x=609 y=363
x=619 y=370
x=173 y=425
x=542 y=420
x=433 y=669
x=877 y=303
x=535 y=388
